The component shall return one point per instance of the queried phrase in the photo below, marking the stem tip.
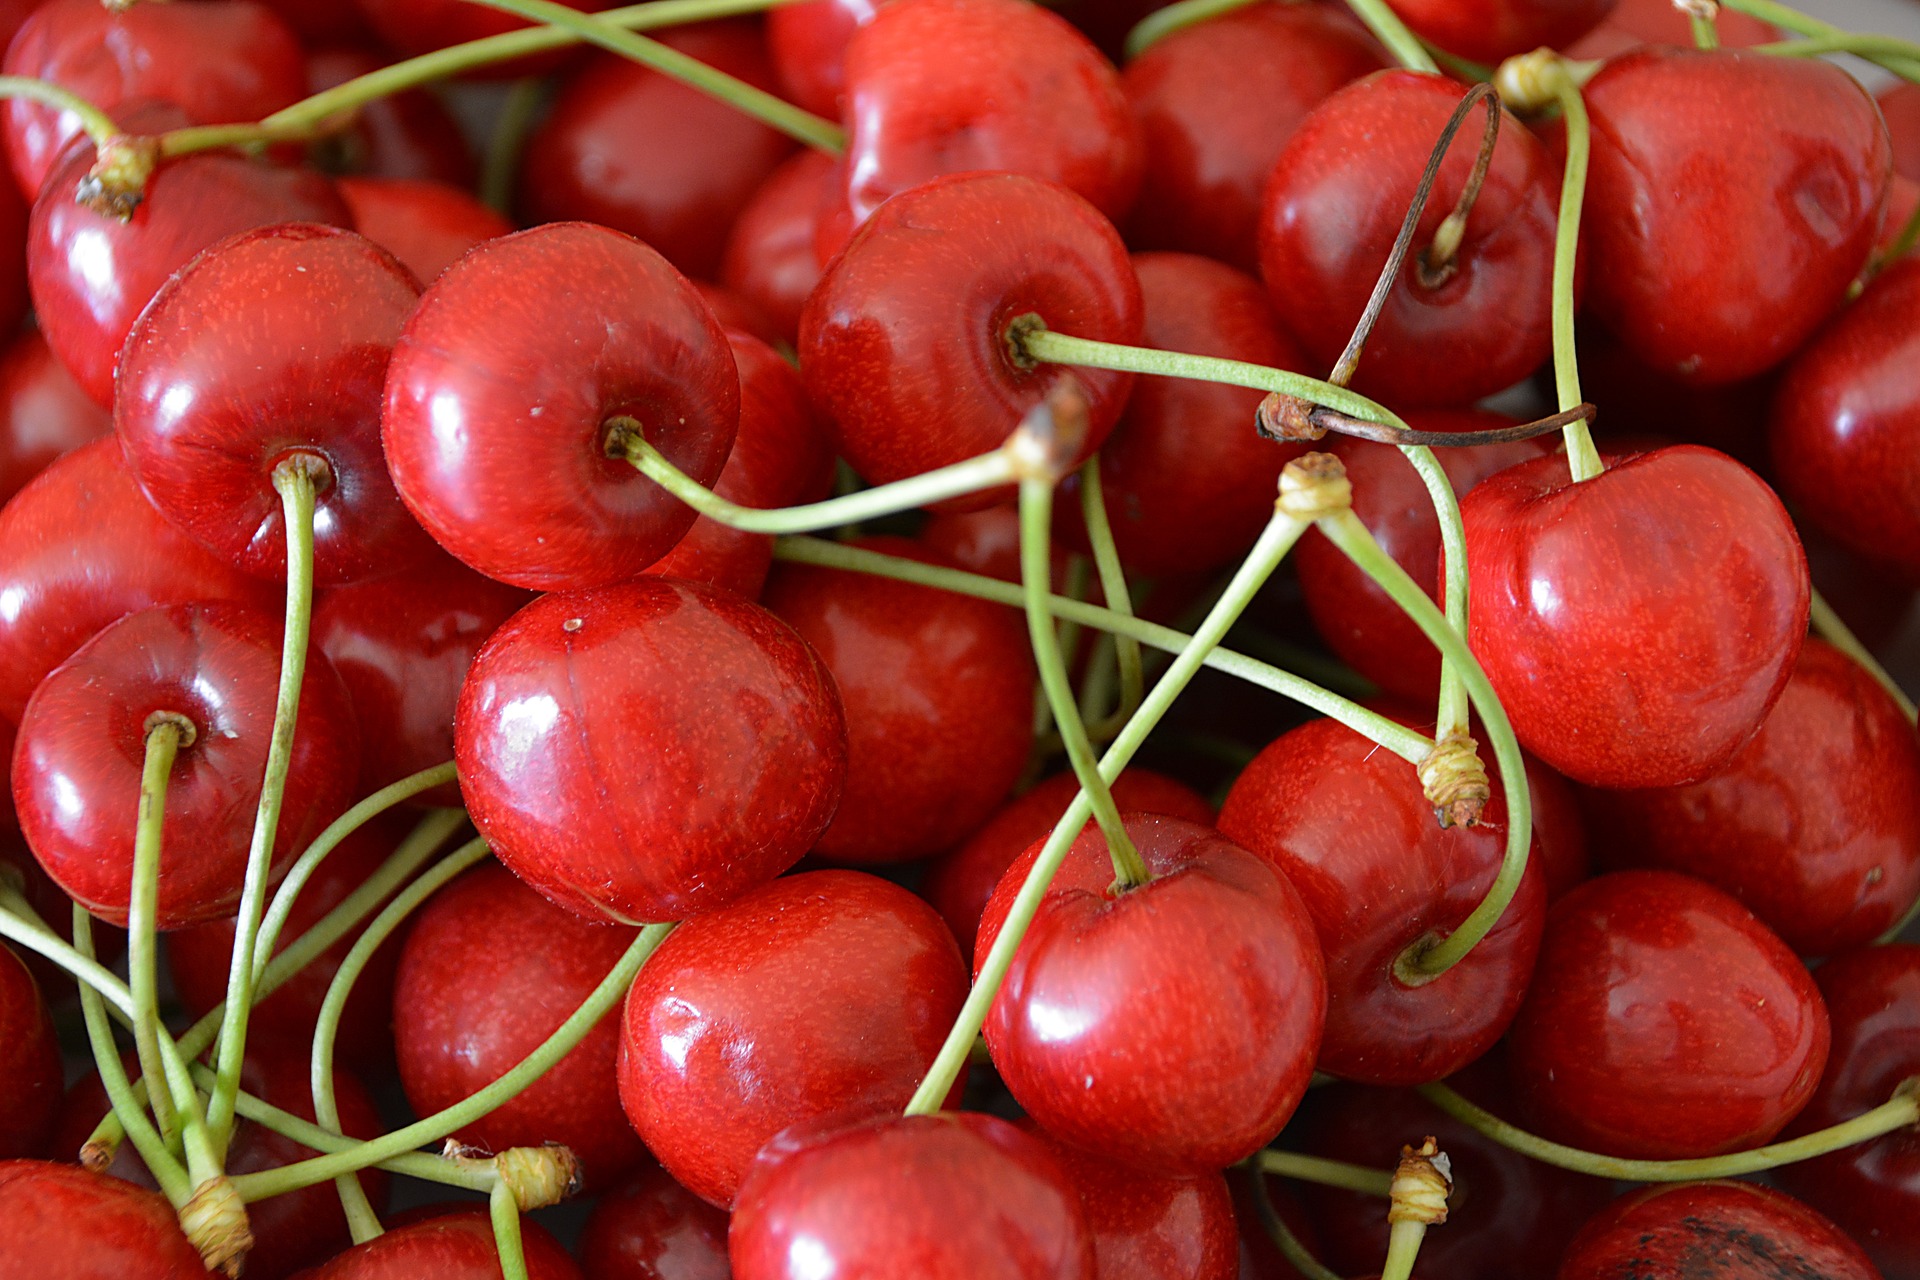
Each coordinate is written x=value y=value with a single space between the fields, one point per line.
x=1314 y=485
x=1421 y=1185
x=1455 y=781
x=214 y=1220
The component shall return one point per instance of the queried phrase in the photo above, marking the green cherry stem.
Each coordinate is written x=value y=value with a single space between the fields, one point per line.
x=1582 y=458
x=1418 y=1199
x=20 y=924
x=1390 y=31
x=1706 y=32
x=1793 y=20
x=167 y=732
x=1325 y=1172
x=1113 y=587
x=504 y=1210
x=508 y=141
x=95 y=123
x=1296 y=1254
x=1403 y=1247
x=1162 y=23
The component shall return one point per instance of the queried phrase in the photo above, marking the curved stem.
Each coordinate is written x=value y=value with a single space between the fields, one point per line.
x=1390 y=31
x=1829 y=626
x=1162 y=23
x=1283 y=1238
x=212 y=137
x=1582 y=458
x=1876 y=47
x=163 y=745
x=1452 y=716
x=504 y=1210
x=508 y=141
x=95 y=123
x=1403 y=1246
x=1790 y=19
x=1327 y=1173
x=1113 y=586
x=19 y=924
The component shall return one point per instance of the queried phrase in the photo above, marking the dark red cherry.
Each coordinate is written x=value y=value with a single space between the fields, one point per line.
x=490 y=970
x=1334 y=203
x=769 y=258
x=13 y=257
x=903 y=343
x=60 y=1220
x=737 y=313
x=1734 y=1230
x=721 y=724
x=1260 y=1257
x=29 y=1062
x=43 y=413
x=1637 y=626
x=966 y=1195
x=81 y=547
x=220 y=61
x=92 y=275
x=1900 y=106
x=457 y=1245
x=1491 y=31
x=1664 y=1022
x=1347 y=824
x=1209 y=144
x=1147 y=1227
x=808 y=43
x=652 y=1228
x=1789 y=150
x=428 y=225
x=1871 y=1189
x=950 y=86
x=642 y=153
x=1646 y=405
x=409 y=135
x=823 y=994
x=77 y=766
x=273 y=344
x=1207 y=1072
x=1845 y=428
x=1636 y=22
x=503 y=387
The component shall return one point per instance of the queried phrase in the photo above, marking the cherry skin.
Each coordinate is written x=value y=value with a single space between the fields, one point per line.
x=1637 y=626
x=1490 y=31
x=1664 y=1022
x=1731 y=1229
x=458 y=1245
x=823 y=994
x=414 y=27
x=1347 y=824
x=1646 y=405
x=322 y=23
x=1334 y=203
x=1788 y=153
x=59 y=1219
x=652 y=1228
x=903 y=343
x=965 y=1195
x=1900 y=105
x=505 y=382
x=1209 y=144
x=769 y=258
x=14 y=298
x=81 y=547
x=408 y=135
x=1209 y=1071
x=428 y=225
x=43 y=413
x=808 y=44
x=1260 y=1257
x=1636 y=22
x=1151 y=1228
x=720 y=722
x=29 y=1062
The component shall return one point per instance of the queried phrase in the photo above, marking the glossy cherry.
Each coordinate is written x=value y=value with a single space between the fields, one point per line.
x=29 y=1062
x=1147 y=1227
x=720 y=723
x=505 y=382
x=408 y=135
x=1334 y=203
x=457 y=1245
x=43 y=413
x=903 y=344
x=823 y=994
x=1722 y=1229
x=1790 y=151
x=1637 y=626
x=77 y=766
x=808 y=44
x=769 y=258
x=1206 y=1072
x=428 y=225
x=652 y=1228
x=1664 y=1022
x=966 y=1195
x=1209 y=144
x=1490 y=31
x=59 y=1219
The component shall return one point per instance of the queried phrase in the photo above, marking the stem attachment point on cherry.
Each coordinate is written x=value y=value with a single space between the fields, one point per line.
x=1455 y=782
x=214 y=1220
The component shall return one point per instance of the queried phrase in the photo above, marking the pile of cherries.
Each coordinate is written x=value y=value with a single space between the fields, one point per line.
x=833 y=695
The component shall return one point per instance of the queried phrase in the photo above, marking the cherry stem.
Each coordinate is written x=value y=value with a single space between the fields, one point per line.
x=1281 y=532
x=165 y=734
x=1113 y=588
x=1421 y=1184
x=509 y=141
x=1410 y=745
x=1583 y=460
x=1701 y=15
x=1296 y=1254
x=1790 y=19
x=94 y=122
x=1162 y=23
x=1390 y=31
x=1403 y=1247
x=1285 y=423
x=1902 y=57
x=1325 y=1172
x=505 y=1212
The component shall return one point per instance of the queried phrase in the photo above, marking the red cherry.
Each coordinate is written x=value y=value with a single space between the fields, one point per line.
x=1733 y=1229
x=1903 y=197
x=82 y=744
x=43 y=412
x=965 y=1195
x=1790 y=151
x=59 y=1219
x=736 y=313
x=428 y=225
x=1637 y=626
x=1347 y=824
x=1208 y=1071
x=720 y=723
x=409 y=135
x=950 y=86
x=502 y=388
x=1664 y=1022
x=1209 y=144
x=1648 y=407
x=457 y=1245
x=652 y=1228
x=986 y=542
x=808 y=43
x=490 y=970
x=29 y=1062
x=1871 y=1189
x=220 y=61
x=769 y=258
x=1491 y=31
x=903 y=344
x=1636 y=22
x=1334 y=204
x=1147 y=1227
x=1900 y=105
x=81 y=547
x=823 y=994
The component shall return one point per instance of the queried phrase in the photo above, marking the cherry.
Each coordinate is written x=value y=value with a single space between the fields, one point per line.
x=219 y=61
x=1636 y=22
x=1647 y=407
x=80 y=547
x=490 y=970
x=428 y=225
x=962 y=1195
x=1209 y=144
x=1664 y=1022
x=1147 y=1227
x=414 y=27
x=59 y=1219
x=949 y=86
x=1334 y=204
x=1491 y=31
x=1208 y=1071
x=77 y=766
x=1903 y=197
x=322 y=22
x=408 y=135
x=1788 y=153
x=1732 y=1229
x=904 y=343
x=769 y=258
x=638 y=151
x=720 y=724
x=1348 y=825
x=43 y=412
x=986 y=542
x=1639 y=625
x=1900 y=105
x=13 y=257
x=457 y=1245
x=652 y=1228
x=508 y=386
x=1846 y=421
x=823 y=994
x=29 y=1062
x=808 y=43
x=1872 y=1188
